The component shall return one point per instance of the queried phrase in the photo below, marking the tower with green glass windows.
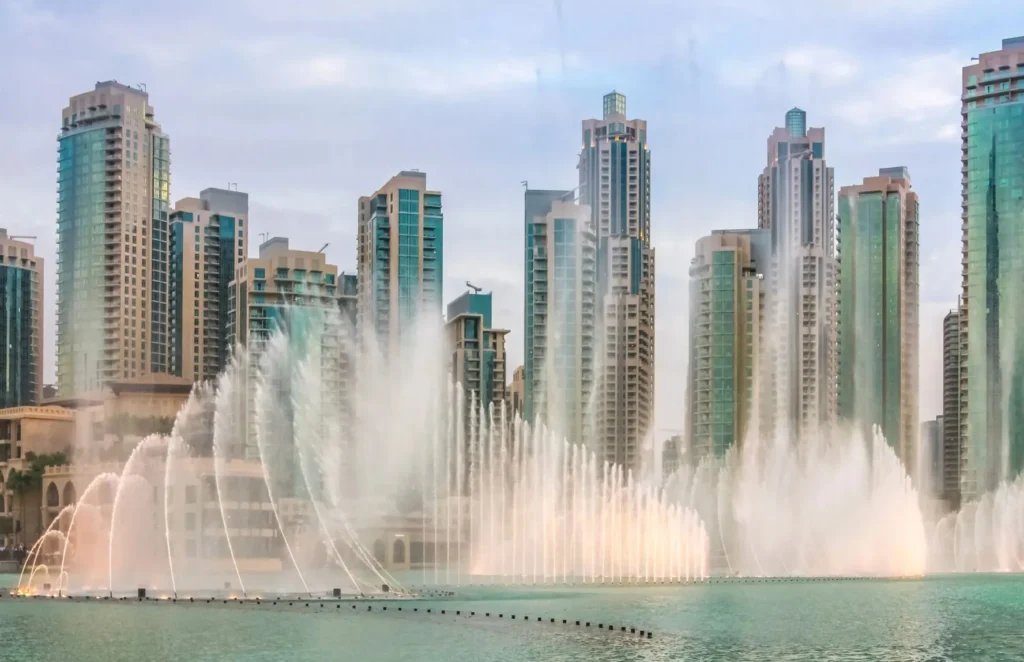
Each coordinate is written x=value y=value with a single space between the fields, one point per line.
x=400 y=257
x=21 y=323
x=113 y=188
x=207 y=243
x=561 y=301
x=726 y=315
x=992 y=315
x=877 y=336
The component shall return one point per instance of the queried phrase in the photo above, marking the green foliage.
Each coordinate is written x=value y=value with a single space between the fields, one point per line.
x=20 y=482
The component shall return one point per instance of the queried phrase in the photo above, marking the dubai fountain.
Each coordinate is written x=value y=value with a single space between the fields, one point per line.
x=276 y=478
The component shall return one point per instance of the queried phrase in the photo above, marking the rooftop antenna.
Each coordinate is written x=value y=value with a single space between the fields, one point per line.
x=264 y=236
x=232 y=186
x=525 y=184
x=142 y=86
x=324 y=248
x=473 y=287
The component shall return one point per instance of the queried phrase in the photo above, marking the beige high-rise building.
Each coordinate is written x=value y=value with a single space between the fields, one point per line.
x=614 y=171
x=21 y=322
x=271 y=290
x=517 y=393
x=400 y=257
x=796 y=203
x=207 y=238
x=113 y=189
x=727 y=310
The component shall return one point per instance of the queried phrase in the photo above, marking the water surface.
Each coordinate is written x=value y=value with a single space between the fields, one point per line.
x=973 y=617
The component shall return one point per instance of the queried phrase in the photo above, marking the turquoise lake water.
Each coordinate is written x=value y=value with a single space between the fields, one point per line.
x=974 y=617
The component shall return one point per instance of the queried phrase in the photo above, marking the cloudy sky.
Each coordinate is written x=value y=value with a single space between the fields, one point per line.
x=309 y=104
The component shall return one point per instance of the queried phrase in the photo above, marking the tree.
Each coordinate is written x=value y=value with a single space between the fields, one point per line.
x=20 y=483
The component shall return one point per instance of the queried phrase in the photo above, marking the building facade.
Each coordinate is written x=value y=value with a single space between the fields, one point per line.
x=727 y=309
x=285 y=289
x=796 y=203
x=879 y=308
x=952 y=442
x=561 y=301
x=614 y=169
x=21 y=323
x=400 y=257
x=517 y=392
x=207 y=243
x=113 y=191
x=992 y=349
x=477 y=353
x=930 y=479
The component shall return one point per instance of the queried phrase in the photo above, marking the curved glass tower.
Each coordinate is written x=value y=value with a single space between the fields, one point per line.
x=992 y=321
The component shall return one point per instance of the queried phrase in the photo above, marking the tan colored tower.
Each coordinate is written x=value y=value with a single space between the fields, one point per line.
x=113 y=187
x=264 y=291
x=400 y=257
x=615 y=182
x=21 y=323
x=208 y=237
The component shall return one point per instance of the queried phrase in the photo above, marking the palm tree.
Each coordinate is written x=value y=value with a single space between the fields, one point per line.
x=20 y=483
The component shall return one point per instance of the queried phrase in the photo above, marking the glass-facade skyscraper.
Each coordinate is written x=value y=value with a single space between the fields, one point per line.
x=400 y=257
x=796 y=204
x=477 y=351
x=879 y=309
x=21 y=323
x=207 y=243
x=992 y=316
x=726 y=314
x=113 y=188
x=614 y=178
x=561 y=300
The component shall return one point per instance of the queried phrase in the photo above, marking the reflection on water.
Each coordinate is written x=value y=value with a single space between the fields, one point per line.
x=973 y=618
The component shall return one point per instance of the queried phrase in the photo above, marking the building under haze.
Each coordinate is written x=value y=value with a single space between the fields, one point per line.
x=290 y=289
x=477 y=352
x=207 y=242
x=992 y=317
x=726 y=315
x=113 y=190
x=796 y=204
x=561 y=301
x=21 y=323
x=615 y=183
x=400 y=256
x=879 y=309
x=952 y=442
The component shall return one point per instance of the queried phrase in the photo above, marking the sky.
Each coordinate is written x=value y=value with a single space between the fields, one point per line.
x=307 y=105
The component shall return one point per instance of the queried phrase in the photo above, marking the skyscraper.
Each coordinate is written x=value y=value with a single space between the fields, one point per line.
x=726 y=314
x=21 y=323
x=952 y=442
x=614 y=169
x=284 y=288
x=207 y=242
x=879 y=308
x=113 y=188
x=561 y=281
x=930 y=478
x=400 y=256
x=796 y=203
x=992 y=352
x=477 y=352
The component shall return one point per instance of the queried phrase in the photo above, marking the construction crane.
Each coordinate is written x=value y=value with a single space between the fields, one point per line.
x=473 y=287
x=324 y=248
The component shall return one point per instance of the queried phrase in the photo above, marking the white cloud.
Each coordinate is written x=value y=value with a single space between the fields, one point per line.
x=825 y=65
x=916 y=89
x=429 y=75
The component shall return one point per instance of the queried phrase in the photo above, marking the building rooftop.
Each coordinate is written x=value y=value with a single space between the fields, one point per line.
x=1013 y=43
